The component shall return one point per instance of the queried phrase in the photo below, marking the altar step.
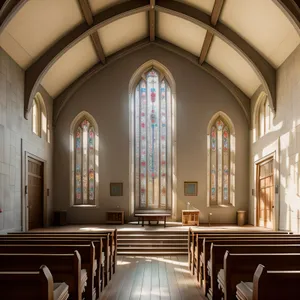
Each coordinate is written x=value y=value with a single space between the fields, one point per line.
x=152 y=242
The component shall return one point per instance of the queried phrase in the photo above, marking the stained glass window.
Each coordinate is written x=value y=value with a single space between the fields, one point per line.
x=153 y=142
x=220 y=149
x=84 y=151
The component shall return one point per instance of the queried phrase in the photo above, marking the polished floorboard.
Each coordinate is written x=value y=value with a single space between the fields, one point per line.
x=152 y=278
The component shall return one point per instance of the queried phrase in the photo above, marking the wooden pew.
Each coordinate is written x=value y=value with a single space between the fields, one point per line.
x=87 y=254
x=64 y=268
x=99 y=255
x=112 y=233
x=32 y=285
x=198 y=260
x=109 y=250
x=194 y=233
x=207 y=245
x=241 y=267
x=275 y=285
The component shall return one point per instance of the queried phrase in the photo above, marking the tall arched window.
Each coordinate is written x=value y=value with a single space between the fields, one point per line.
x=265 y=117
x=152 y=141
x=39 y=118
x=36 y=117
x=84 y=157
x=221 y=154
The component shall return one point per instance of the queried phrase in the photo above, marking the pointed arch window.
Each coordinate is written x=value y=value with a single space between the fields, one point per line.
x=265 y=117
x=221 y=151
x=153 y=166
x=36 y=118
x=84 y=161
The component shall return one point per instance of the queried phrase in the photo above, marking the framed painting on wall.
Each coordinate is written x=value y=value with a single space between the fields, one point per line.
x=190 y=188
x=116 y=188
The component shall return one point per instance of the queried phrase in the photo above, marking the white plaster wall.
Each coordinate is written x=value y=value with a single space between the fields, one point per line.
x=15 y=135
x=284 y=139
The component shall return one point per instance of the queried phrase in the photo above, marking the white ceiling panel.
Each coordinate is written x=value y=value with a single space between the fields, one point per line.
x=14 y=50
x=100 y=5
x=262 y=24
x=180 y=32
x=229 y=62
x=123 y=32
x=204 y=5
x=41 y=22
x=69 y=67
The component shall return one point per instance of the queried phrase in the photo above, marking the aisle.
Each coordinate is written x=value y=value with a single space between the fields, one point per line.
x=152 y=278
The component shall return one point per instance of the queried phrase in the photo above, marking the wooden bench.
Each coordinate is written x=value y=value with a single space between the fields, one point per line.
x=275 y=285
x=109 y=240
x=112 y=235
x=101 y=251
x=241 y=267
x=194 y=235
x=152 y=217
x=87 y=255
x=64 y=268
x=205 y=256
x=32 y=285
x=198 y=254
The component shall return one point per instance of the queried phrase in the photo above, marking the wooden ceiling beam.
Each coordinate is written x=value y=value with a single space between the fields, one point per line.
x=86 y=11
x=215 y=15
x=152 y=21
x=88 y=16
x=216 y=12
x=205 y=47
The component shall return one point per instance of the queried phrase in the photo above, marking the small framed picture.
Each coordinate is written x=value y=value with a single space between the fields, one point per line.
x=116 y=188
x=190 y=188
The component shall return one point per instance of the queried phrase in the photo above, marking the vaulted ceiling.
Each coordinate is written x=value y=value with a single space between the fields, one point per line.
x=244 y=42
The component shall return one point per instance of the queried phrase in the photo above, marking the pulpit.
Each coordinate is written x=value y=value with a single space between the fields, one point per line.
x=190 y=217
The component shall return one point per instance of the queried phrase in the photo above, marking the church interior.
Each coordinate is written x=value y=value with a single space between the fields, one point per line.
x=149 y=149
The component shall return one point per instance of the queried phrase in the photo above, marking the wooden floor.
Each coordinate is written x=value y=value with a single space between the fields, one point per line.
x=152 y=278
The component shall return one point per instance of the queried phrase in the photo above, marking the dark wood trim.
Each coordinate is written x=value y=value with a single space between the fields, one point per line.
x=8 y=9
x=152 y=21
x=205 y=47
x=264 y=70
x=98 y=46
x=215 y=15
x=86 y=11
x=88 y=16
x=61 y=101
x=35 y=73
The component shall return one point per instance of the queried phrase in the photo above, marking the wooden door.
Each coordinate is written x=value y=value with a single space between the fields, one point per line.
x=35 y=194
x=265 y=185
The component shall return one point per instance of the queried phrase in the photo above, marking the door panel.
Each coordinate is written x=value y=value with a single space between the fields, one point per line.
x=35 y=194
x=265 y=183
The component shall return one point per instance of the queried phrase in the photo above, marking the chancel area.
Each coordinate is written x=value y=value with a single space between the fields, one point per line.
x=149 y=149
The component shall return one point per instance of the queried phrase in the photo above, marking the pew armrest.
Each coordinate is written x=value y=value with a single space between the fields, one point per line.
x=221 y=280
x=244 y=290
x=60 y=291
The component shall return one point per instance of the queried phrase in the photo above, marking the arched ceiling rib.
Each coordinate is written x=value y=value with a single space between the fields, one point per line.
x=93 y=16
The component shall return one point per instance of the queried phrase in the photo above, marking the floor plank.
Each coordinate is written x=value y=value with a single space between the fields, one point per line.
x=152 y=278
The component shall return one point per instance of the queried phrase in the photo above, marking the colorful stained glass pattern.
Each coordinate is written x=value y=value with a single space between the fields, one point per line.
x=151 y=142
x=85 y=164
x=219 y=163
